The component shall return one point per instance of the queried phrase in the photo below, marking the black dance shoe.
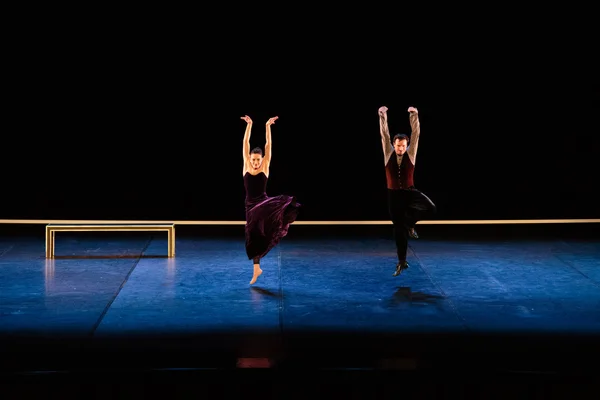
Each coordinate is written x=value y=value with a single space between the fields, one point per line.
x=401 y=266
x=413 y=233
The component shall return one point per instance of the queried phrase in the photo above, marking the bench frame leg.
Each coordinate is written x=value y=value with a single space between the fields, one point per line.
x=171 y=241
x=50 y=235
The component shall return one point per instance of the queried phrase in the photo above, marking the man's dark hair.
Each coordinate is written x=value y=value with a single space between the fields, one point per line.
x=401 y=136
x=256 y=150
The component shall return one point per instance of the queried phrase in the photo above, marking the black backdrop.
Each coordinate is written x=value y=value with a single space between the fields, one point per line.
x=120 y=129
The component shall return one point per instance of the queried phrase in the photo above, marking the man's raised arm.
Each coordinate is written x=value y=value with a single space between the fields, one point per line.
x=385 y=134
x=415 y=128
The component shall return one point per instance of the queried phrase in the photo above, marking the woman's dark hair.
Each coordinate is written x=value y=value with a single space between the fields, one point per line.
x=256 y=150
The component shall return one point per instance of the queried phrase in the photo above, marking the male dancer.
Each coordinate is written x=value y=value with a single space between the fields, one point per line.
x=406 y=204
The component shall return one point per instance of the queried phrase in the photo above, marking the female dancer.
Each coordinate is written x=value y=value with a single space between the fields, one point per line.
x=267 y=218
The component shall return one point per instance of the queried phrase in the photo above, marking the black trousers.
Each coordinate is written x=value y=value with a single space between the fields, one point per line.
x=406 y=208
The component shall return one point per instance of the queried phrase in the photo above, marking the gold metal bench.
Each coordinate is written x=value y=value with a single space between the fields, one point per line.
x=51 y=229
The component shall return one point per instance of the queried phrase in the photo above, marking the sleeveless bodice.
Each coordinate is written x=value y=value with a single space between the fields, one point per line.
x=256 y=186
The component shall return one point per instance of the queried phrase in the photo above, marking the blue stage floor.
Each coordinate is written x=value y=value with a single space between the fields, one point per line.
x=116 y=284
x=328 y=300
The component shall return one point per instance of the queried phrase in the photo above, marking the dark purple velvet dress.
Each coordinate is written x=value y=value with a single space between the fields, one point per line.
x=267 y=218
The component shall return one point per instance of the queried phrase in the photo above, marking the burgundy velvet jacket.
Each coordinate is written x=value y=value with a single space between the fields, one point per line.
x=400 y=178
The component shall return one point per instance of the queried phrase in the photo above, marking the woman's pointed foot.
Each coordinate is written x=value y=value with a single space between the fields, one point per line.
x=257 y=273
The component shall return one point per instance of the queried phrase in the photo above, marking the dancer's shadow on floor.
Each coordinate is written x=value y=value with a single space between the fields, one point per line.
x=406 y=295
x=259 y=293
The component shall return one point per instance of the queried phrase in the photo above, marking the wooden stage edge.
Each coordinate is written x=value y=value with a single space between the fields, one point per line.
x=222 y=223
